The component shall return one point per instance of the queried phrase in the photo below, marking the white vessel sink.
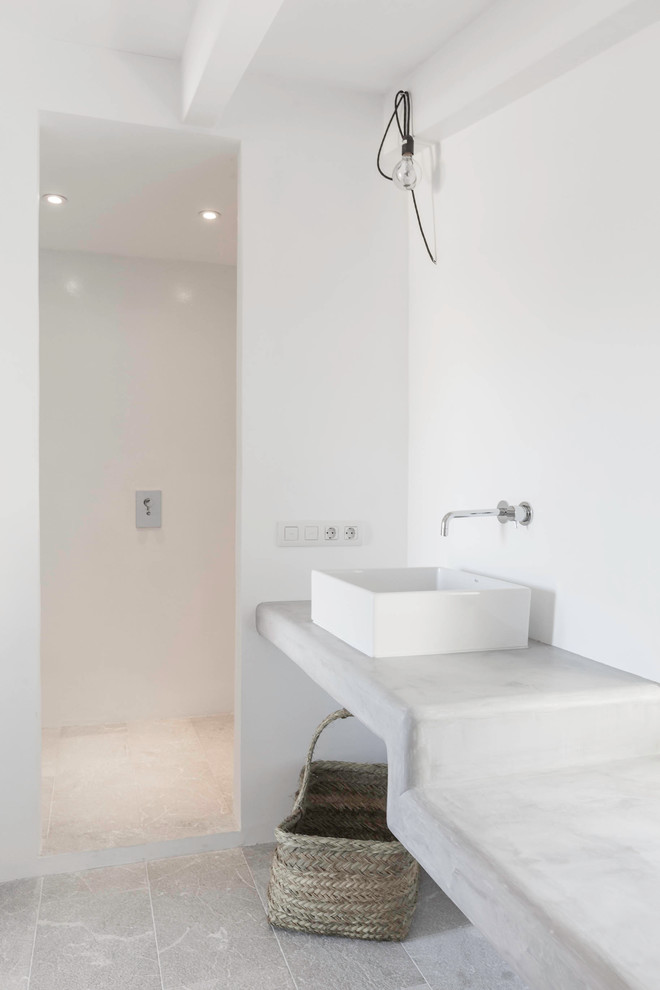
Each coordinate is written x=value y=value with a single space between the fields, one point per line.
x=410 y=611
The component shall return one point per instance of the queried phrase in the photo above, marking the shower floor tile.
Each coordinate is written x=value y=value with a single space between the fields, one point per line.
x=127 y=784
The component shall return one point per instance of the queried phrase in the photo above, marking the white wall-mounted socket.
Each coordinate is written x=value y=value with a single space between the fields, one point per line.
x=320 y=533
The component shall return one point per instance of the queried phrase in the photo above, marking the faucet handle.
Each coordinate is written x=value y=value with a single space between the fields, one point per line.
x=521 y=513
x=506 y=511
x=524 y=514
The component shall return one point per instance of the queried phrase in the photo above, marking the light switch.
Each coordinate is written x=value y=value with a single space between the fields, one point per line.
x=148 y=509
x=314 y=533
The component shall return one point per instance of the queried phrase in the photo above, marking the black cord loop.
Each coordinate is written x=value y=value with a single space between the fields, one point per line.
x=405 y=130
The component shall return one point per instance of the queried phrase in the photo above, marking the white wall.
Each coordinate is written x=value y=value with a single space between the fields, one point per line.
x=19 y=507
x=535 y=355
x=138 y=373
x=323 y=294
x=323 y=369
x=322 y=312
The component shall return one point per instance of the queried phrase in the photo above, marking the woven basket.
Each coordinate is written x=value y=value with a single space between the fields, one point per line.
x=337 y=868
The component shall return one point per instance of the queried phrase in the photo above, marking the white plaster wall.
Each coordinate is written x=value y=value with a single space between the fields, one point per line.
x=323 y=370
x=322 y=308
x=138 y=385
x=19 y=507
x=535 y=355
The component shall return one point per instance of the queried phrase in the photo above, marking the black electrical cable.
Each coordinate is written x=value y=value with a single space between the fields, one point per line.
x=395 y=114
x=421 y=229
x=405 y=99
x=406 y=132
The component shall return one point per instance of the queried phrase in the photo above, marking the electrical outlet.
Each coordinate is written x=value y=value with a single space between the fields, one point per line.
x=320 y=533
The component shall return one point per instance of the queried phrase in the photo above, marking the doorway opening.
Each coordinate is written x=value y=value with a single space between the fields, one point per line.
x=138 y=395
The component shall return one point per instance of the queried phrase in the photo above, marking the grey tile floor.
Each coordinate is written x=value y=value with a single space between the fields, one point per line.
x=129 y=783
x=199 y=923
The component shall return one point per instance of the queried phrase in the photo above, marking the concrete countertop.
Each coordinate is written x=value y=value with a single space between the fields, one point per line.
x=527 y=783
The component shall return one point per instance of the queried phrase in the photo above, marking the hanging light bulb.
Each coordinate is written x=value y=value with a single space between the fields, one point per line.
x=407 y=172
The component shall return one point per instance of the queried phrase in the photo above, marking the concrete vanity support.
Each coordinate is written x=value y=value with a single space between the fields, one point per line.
x=527 y=783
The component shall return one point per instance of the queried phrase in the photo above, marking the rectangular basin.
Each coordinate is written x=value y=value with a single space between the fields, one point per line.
x=411 y=611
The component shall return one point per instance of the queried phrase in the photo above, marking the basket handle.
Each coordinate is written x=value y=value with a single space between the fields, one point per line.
x=307 y=769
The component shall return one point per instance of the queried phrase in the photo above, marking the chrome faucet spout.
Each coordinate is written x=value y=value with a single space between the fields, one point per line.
x=464 y=514
x=504 y=512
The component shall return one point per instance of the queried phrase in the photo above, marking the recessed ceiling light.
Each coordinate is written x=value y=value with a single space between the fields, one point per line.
x=209 y=214
x=55 y=199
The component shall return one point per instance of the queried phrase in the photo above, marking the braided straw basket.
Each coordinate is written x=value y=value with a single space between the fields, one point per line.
x=337 y=868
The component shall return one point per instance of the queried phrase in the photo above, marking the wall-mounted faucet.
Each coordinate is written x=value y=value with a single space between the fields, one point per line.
x=504 y=513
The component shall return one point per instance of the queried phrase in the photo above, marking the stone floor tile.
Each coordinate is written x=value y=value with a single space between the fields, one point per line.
x=461 y=957
x=259 y=859
x=152 y=740
x=185 y=801
x=50 y=742
x=319 y=962
x=449 y=950
x=168 y=831
x=216 y=734
x=97 y=729
x=189 y=786
x=70 y=836
x=19 y=901
x=234 y=964
x=214 y=727
x=103 y=793
x=80 y=746
x=95 y=932
x=148 y=781
x=443 y=946
x=435 y=912
x=105 y=880
x=93 y=812
x=211 y=925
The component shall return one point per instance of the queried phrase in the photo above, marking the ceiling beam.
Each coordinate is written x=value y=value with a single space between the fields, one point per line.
x=510 y=50
x=223 y=39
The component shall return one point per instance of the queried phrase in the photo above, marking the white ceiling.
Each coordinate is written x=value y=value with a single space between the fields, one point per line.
x=147 y=27
x=137 y=191
x=362 y=44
